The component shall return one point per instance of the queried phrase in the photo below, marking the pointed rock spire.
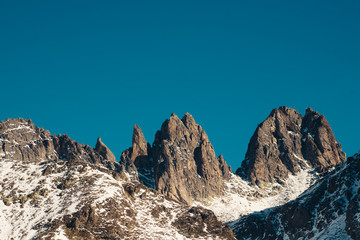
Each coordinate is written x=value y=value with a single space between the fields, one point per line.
x=139 y=144
x=225 y=169
x=137 y=158
x=104 y=151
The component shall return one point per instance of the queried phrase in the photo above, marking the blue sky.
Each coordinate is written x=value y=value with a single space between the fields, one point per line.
x=96 y=68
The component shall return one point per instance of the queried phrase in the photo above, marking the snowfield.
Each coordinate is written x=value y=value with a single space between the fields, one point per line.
x=241 y=198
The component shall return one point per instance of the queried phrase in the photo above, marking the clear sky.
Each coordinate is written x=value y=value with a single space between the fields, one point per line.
x=96 y=68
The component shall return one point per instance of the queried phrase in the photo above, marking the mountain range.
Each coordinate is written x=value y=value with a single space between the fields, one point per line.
x=295 y=182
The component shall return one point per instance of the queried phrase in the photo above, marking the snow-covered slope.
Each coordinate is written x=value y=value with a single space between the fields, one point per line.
x=329 y=209
x=241 y=198
x=83 y=200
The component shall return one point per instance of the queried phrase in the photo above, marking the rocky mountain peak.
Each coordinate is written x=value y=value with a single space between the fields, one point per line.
x=320 y=147
x=189 y=121
x=172 y=128
x=139 y=144
x=181 y=162
x=286 y=142
x=21 y=140
x=137 y=159
x=104 y=151
x=186 y=167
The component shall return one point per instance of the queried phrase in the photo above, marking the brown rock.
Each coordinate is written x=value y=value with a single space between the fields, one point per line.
x=319 y=144
x=104 y=151
x=76 y=153
x=198 y=222
x=285 y=143
x=185 y=165
x=138 y=158
x=225 y=169
x=21 y=140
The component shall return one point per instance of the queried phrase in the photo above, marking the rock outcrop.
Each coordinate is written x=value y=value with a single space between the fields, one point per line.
x=181 y=163
x=21 y=140
x=327 y=210
x=198 y=222
x=286 y=142
x=137 y=159
x=320 y=147
x=104 y=151
x=186 y=167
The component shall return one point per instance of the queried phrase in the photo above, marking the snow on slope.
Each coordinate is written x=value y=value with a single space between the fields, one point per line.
x=241 y=198
x=35 y=199
x=329 y=209
x=35 y=204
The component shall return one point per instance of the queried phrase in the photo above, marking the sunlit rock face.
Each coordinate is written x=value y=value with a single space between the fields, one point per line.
x=286 y=142
x=137 y=160
x=186 y=167
x=181 y=163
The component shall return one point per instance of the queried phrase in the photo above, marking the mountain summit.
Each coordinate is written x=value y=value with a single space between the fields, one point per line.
x=286 y=142
x=294 y=183
x=52 y=187
x=181 y=162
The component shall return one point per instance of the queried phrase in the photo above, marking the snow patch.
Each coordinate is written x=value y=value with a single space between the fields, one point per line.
x=241 y=198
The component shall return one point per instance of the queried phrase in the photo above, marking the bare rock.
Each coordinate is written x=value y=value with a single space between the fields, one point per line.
x=185 y=165
x=225 y=169
x=198 y=222
x=137 y=159
x=76 y=153
x=285 y=143
x=319 y=144
x=21 y=140
x=104 y=151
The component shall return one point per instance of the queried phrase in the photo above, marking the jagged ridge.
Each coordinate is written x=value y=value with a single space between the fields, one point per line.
x=52 y=187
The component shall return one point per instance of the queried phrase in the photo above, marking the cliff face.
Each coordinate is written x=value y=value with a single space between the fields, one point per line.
x=186 y=166
x=21 y=140
x=286 y=142
x=181 y=163
x=320 y=147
